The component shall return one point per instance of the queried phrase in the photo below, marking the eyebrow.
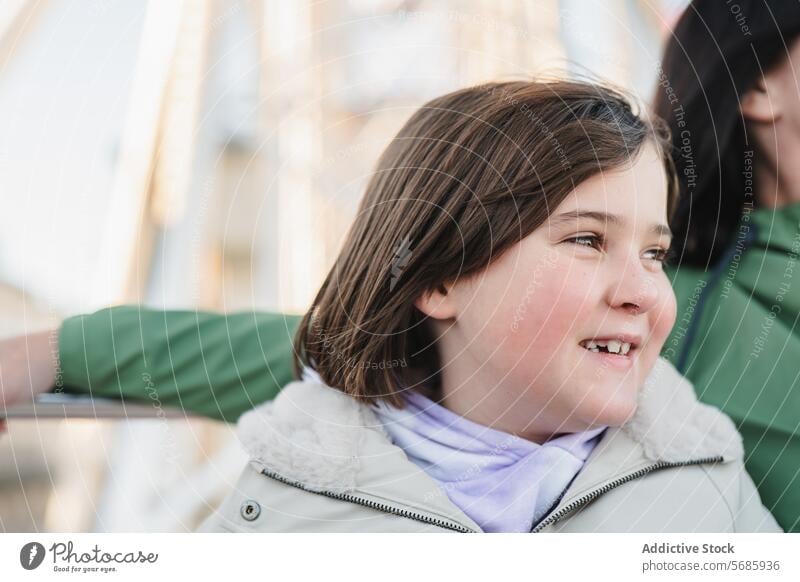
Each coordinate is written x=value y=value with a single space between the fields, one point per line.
x=606 y=218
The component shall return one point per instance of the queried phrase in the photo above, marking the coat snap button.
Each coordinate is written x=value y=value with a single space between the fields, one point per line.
x=250 y=510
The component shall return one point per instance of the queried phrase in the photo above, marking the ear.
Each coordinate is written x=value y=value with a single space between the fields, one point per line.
x=760 y=104
x=437 y=303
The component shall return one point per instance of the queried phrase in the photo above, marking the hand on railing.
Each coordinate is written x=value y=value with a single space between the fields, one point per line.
x=28 y=367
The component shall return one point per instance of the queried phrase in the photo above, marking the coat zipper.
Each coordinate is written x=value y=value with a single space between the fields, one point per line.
x=451 y=525
x=446 y=524
x=554 y=517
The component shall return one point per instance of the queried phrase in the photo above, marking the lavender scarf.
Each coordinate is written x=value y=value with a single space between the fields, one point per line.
x=501 y=481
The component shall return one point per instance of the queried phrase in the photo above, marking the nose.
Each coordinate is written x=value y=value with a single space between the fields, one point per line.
x=633 y=290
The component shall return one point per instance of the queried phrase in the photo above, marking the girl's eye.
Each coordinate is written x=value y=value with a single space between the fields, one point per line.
x=587 y=240
x=659 y=254
x=595 y=241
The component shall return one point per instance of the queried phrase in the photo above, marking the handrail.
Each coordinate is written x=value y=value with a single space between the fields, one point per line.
x=55 y=406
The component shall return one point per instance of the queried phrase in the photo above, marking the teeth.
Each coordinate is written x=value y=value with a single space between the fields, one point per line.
x=613 y=346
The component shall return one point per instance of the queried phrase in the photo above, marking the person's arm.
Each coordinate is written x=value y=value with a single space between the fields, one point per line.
x=210 y=364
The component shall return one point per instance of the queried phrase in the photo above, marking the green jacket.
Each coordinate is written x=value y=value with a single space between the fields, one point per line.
x=736 y=338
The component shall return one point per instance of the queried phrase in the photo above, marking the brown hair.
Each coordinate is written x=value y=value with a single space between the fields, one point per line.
x=468 y=176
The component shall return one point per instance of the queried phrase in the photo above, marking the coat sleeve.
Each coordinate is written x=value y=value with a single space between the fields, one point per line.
x=205 y=363
x=751 y=515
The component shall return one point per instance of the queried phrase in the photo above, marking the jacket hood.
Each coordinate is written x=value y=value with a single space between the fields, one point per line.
x=321 y=438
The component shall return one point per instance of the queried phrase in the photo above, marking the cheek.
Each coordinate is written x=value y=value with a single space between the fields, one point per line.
x=663 y=316
x=548 y=308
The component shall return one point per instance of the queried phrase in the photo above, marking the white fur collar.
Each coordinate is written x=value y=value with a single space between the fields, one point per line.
x=318 y=436
x=672 y=425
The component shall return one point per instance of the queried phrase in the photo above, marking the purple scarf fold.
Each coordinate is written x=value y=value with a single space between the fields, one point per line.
x=502 y=482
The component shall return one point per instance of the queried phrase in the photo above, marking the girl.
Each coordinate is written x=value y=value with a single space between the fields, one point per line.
x=484 y=353
x=730 y=98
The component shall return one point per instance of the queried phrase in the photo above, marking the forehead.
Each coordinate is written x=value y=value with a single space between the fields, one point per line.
x=637 y=190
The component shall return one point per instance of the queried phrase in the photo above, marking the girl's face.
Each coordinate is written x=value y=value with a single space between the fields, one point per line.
x=515 y=340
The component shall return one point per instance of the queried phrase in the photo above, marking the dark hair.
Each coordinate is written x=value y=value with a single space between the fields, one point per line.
x=468 y=176
x=716 y=53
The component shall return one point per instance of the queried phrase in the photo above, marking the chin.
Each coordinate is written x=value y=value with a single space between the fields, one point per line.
x=615 y=409
x=619 y=417
x=617 y=413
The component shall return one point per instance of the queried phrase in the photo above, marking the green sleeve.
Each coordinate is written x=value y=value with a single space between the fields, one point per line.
x=210 y=364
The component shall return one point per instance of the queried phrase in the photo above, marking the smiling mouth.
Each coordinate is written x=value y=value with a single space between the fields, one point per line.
x=616 y=346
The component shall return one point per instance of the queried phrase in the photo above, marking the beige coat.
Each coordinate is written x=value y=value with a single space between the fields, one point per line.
x=321 y=462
